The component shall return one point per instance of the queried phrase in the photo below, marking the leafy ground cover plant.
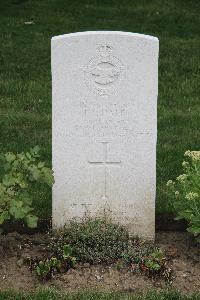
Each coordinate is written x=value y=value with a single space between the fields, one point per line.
x=20 y=171
x=61 y=260
x=93 y=241
x=99 y=241
x=184 y=193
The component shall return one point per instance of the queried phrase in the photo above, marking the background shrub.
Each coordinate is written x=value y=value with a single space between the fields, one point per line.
x=184 y=192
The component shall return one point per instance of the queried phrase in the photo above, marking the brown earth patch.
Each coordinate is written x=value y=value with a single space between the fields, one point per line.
x=183 y=253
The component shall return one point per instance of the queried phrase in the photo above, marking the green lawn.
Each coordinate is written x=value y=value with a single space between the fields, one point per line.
x=92 y=295
x=25 y=76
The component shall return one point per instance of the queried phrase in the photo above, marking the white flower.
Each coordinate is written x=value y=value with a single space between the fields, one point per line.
x=191 y=196
x=185 y=164
x=177 y=193
x=195 y=155
x=169 y=182
x=182 y=177
x=187 y=153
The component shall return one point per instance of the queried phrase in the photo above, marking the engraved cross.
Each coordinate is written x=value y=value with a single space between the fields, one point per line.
x=105 y=163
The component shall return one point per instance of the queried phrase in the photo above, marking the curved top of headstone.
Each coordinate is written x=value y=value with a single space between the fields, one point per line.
x=122 y=33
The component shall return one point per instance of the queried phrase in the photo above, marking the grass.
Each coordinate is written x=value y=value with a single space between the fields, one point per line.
x=51 y=294
x=25 y=75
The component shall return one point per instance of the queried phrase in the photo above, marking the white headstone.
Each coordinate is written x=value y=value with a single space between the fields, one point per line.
x=105 y=128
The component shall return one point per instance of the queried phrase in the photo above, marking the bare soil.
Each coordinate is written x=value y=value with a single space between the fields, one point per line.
x=183 y=254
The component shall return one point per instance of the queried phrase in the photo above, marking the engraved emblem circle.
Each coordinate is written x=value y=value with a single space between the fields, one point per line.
x=103 y=72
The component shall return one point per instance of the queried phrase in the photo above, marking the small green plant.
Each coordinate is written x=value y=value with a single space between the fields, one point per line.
x=155 y=260
x=67 y=256
x=147 y=258
x=20 y=171
x=155 y=264
x=152 y=265
x=47 y=268
x=59 y=261
x=184 y=193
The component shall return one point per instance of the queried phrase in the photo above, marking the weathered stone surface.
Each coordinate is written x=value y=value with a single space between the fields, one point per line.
x=105 y=128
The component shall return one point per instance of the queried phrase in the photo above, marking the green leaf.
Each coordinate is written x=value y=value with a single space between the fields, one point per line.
x=195 y=219
x=16 y=202
x=47 y=175
x=7 y=167
x=186 y=214
x=27 y=209
x=16 y=210
x=2 y=189
x=194 y=229
x=35 y=172
x=35 y=151
x=158 y=255
x=23 y=184
x=15 y=164
x=67 y=251
x=31 y=221
x=8 y=180
x=20 y=171
x=10 y=192
x=4 y=216
x=178 y=218
x=41 y=164
x=10 y=157
x=27 y=200
x=152 y=265
x=2 y=157
x=28 y=155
